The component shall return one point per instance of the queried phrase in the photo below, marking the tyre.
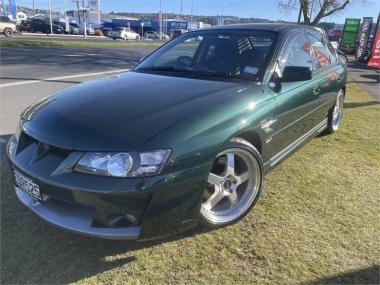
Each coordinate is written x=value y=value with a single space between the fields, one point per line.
x=335 y=115
x=114 y=39
x=7 y=32
x=233 y=186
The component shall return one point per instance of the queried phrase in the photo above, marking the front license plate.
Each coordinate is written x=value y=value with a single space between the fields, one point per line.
x=27 y=185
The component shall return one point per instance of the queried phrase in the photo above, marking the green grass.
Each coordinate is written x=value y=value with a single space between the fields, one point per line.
x=44 y=43
x=316 y=222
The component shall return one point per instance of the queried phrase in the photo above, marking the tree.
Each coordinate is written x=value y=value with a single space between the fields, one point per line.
x=319 y=8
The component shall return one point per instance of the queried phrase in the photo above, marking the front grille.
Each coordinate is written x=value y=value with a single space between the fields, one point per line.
x=40 y=149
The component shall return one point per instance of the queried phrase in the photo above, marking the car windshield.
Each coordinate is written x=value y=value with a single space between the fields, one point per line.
x=238 y=54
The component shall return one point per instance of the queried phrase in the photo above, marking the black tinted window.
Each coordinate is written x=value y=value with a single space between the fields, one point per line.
x=295 y=52
x=5 y=19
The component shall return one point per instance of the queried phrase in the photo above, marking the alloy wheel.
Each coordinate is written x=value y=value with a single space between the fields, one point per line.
x=232 y=187
x=338 y=111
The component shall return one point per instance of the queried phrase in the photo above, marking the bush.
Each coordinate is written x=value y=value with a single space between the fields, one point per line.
x=99 y=33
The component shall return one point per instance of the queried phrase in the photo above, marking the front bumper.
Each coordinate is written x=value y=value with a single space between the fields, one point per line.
x=106 y=207
x=74 y=218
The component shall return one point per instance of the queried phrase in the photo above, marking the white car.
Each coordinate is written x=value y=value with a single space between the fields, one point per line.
x=89 y=29
x=124 y=34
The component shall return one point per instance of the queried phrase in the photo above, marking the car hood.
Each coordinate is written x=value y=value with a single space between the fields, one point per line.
x=121 y=112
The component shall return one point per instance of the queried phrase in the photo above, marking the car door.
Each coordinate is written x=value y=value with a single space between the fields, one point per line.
x=326 y=72
x=296 y=101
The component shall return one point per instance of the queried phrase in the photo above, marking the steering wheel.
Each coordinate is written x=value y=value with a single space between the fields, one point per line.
x=185 y=60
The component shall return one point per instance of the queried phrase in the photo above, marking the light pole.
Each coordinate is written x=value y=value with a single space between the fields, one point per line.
x=221 y=13
x=160 y=19
x=34 y=11
x=51 y=23
x=3 y=7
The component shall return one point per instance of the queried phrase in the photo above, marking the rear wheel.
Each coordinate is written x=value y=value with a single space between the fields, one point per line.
x=233 y=186
x=335 y=114
x=8 y=32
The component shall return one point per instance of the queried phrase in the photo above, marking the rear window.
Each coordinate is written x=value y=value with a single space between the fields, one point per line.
x=5 y=19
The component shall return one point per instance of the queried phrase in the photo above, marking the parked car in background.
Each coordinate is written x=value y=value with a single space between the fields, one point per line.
x=24 y=26
x=21 y=16
x=90 y=30
x=43 y=26
x=124 y=34
x=186 y=137
x=74 y=29
x=177 y=32
x=7 y=27
x=106 y=31
x=152 y=35
x=155 y=35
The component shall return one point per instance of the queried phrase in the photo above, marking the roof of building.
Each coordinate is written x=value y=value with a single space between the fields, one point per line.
x=260 y=26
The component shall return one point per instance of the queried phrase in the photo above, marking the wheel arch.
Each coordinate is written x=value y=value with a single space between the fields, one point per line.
x=252 y=137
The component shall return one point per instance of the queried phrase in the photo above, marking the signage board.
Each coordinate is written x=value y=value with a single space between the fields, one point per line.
x=364 y=32
x=350 y=32
x=374 y=59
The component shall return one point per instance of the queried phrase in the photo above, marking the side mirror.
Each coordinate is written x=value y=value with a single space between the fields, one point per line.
x=296 y=73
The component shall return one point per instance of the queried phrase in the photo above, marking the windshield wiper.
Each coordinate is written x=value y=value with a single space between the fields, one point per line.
x=200 y=73
x=242 y=76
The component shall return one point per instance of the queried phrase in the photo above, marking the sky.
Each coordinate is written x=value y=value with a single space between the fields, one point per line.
x=243 y=8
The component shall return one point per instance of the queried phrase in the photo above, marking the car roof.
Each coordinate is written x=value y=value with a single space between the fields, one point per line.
x=282 y=28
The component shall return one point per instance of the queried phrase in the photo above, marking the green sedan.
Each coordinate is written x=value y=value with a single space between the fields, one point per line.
x=185 y=138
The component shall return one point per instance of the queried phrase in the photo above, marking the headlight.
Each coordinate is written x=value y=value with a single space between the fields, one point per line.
x=123 y=164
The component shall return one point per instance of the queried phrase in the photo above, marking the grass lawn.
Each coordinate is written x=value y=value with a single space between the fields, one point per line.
x=316 y=222
x=80 y=43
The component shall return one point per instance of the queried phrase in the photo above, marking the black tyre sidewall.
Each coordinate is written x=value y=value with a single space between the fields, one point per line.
x=239 y=143
x=7 y=32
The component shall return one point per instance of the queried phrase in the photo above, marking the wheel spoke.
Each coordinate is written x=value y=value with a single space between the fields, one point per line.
x=242 y=178
x=214 y=179
x=233 y=198
x=230 y=164
x=214 y=199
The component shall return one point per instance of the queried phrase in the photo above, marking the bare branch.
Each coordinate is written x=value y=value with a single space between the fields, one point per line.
x=321 y=8
x=325 y=7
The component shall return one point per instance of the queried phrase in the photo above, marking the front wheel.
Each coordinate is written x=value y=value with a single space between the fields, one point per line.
x=335 y=114
x=233 y=186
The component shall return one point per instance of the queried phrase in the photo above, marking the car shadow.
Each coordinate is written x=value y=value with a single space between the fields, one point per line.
x=360 y=104
x=369 y=275
x=31 y=249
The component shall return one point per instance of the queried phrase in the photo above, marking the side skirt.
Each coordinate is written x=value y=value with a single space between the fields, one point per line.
x=290 y=149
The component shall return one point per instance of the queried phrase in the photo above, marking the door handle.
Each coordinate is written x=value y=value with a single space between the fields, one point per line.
x=316 y=91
